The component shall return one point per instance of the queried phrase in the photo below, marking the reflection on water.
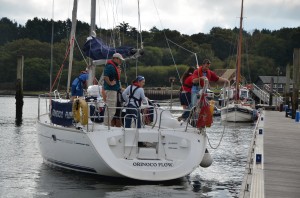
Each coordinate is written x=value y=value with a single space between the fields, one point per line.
x=23 y=174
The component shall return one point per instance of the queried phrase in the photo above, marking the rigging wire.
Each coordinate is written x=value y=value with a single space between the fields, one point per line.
x=137 y=38
x=87 y=64
x=172 y=56
x=168 y=40
x=52 y=36
x=140 y=25
x=58 y=76
x=247 y=59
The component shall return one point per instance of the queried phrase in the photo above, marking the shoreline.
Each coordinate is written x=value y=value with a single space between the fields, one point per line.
x=25 y=93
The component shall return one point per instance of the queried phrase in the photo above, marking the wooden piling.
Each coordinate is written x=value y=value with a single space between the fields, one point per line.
x=19 y=91
x=296 y=65
x=271 y=92
x=287 y=85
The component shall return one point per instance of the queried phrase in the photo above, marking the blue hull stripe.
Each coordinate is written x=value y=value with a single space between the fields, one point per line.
x=72 y=166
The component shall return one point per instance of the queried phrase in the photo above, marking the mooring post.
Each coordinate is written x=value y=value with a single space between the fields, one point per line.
x=287 y=86
x=271 y=92
x=296 y=75
x=19 y=91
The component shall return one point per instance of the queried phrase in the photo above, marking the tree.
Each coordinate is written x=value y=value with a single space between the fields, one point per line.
x=153 y=56
x=224 y=42
x=274 y=48
x=8 y=30
x=36 y=74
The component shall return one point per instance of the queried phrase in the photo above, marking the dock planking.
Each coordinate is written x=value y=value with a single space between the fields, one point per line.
x=281 y=155
x=278 y=175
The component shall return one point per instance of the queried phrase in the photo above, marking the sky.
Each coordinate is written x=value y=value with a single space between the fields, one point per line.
x=186 y=16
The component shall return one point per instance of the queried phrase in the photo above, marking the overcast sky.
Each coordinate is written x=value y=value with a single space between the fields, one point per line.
x=186 y=16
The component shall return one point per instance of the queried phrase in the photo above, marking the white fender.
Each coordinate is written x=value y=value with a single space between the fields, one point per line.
x=206 y=160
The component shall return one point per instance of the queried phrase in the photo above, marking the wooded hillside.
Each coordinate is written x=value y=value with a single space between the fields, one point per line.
x=263 y=51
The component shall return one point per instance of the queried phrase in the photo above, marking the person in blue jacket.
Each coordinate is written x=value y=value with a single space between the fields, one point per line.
x=78 y=84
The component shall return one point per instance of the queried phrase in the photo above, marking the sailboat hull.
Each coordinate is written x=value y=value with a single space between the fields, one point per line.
x=119 y=152
x=237 y=113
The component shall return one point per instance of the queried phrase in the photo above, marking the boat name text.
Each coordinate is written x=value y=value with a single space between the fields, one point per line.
x=153 y=164
x=60 y=114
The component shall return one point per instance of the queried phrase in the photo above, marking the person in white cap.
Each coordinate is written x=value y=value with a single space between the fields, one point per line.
x=112 y=73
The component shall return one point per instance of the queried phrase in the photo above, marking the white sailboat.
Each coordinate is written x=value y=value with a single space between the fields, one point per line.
x=238 y=110
x=166 y=149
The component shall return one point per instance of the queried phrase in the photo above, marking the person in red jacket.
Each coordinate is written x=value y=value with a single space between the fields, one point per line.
x=185 y=91
x=200 y=74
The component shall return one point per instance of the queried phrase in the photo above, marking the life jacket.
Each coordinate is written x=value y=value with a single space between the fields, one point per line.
x=185 y=85
x=118 y=72
x=200 y=74
x=137 y=101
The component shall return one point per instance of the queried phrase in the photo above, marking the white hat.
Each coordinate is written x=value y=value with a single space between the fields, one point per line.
x=119 y=56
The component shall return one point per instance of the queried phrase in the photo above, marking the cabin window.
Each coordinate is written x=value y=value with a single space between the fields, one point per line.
x=244 y=94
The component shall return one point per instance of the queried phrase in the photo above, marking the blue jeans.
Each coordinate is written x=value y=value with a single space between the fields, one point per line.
x=195 y=92
x=186 y=113
x=132 y=113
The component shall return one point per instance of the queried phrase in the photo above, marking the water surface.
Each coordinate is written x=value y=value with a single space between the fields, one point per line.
x=23 y=173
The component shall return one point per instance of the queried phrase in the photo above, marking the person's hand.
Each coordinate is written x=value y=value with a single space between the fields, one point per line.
x=204 y=78
x=227 y=82
x=112 y=83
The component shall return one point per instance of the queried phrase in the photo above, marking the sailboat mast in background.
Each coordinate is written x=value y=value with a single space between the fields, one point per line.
x=72 y=37
x=239 y=56
x=92 y=32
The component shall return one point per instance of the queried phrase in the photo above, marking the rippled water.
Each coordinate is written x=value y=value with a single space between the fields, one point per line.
x=23 y=174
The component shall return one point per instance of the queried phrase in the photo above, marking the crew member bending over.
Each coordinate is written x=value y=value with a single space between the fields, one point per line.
x=134 y=96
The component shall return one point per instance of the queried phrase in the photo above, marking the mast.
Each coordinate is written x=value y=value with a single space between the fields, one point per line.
x=51 y=58
x=239 y=56
x=92 y=30
x=72 y=37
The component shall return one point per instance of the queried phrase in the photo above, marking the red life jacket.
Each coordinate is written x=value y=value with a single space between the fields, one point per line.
x=200 y=74
x=116 y=68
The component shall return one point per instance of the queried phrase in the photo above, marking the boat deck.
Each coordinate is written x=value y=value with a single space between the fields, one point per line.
x=278 y=174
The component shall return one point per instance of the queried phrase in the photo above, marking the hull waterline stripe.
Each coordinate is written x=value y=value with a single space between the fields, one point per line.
x=66 y=141
x=72 y=166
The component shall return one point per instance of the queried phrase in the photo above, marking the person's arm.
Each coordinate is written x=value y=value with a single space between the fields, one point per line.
x=196 y=78
x=109 y=82
x=143 y=97
x=223 y=80
x=109 y=71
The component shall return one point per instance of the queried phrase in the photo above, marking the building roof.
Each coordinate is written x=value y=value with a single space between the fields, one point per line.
x=226 y=73
x=279 y=79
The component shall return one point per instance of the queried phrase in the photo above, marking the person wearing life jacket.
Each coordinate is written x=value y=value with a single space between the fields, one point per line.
x=78 y=84
x=112 y=85
x=134 y=96
x=185 y=91
x=200 y=74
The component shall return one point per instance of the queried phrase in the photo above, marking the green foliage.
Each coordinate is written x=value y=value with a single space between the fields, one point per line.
x=156 y=76
x=9 y=30
x=36 y=74
x=153 y=56
x=263 y=51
